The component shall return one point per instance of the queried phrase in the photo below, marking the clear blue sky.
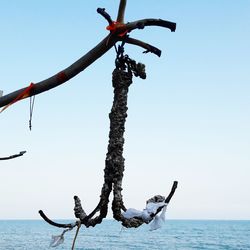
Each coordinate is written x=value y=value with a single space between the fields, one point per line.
x=189 y=121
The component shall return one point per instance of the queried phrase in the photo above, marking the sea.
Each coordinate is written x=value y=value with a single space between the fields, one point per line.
x=174 y=234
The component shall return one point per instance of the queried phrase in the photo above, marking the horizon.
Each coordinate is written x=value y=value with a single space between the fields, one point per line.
x=112 y=219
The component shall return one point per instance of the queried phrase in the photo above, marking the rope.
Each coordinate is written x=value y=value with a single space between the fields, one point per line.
x=32 y=102
x=77 y=230
x=119 y=28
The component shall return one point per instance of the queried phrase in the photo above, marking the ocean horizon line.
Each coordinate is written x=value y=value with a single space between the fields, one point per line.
x=111 y=219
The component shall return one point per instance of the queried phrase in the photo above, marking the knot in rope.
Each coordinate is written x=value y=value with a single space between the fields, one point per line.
x=117 y=27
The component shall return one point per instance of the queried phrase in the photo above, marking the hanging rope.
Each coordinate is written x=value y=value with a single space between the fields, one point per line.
x=32 y=102
x=77 y=231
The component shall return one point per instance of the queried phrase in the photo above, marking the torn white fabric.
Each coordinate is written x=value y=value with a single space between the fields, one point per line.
x=158 y=220
x=152 y=207
x=56 y=240
x=145 y=214
x=131 y=213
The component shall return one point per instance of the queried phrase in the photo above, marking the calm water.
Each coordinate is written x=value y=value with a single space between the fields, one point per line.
x=175 y=234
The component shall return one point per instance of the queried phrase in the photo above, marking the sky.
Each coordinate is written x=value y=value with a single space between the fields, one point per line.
x=188 y=121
